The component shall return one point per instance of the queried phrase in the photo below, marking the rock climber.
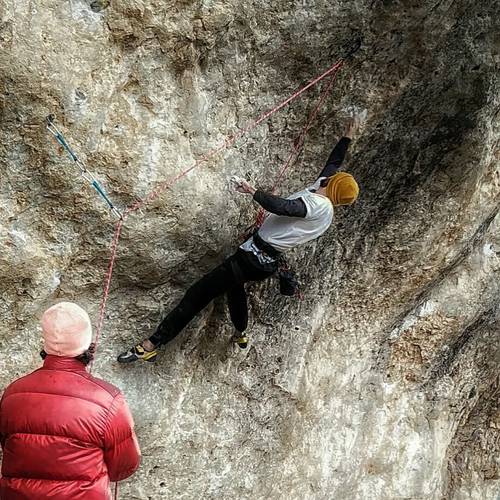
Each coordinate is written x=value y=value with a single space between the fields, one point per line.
x=302 y=217
x=64 y=433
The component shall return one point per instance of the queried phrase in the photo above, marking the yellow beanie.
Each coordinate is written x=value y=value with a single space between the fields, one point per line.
x=342 y=189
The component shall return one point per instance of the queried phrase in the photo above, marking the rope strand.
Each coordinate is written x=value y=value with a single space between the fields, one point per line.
x=231 y=139
x=298 y=143
x=107 y=285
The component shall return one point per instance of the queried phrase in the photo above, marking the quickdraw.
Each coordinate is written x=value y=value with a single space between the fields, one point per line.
x=88 y=176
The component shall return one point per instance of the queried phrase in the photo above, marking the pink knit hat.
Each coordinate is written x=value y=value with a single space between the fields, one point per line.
x=66 y=330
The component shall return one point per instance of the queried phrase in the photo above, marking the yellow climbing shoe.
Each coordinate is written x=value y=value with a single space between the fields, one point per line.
x=241 y=341
x=137 y=353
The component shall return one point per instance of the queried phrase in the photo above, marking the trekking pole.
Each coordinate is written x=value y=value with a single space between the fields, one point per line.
x=86 y=174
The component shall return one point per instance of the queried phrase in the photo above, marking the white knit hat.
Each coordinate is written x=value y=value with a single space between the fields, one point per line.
x=67 y=330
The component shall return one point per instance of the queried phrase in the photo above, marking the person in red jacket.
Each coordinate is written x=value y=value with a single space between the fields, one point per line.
x=64 y=433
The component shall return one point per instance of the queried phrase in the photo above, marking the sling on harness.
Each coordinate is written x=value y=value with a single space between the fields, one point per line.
x=288 y=283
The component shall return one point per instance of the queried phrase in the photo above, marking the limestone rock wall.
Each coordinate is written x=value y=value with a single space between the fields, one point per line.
x=384 y=382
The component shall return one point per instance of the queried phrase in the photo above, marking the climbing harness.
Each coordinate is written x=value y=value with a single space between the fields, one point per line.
x=88 y=176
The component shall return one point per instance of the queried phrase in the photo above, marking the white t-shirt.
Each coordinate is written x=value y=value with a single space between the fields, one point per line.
x=284 y=233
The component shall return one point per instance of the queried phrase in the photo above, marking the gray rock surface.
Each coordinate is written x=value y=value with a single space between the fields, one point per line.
x=384 y=382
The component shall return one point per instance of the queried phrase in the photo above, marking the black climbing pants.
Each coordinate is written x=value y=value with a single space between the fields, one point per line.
x=229 y=278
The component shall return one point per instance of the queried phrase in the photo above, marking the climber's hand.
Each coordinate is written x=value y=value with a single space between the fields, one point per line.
x=245 y=187
x=352 y=127
x=354 y=124
x=242 y=186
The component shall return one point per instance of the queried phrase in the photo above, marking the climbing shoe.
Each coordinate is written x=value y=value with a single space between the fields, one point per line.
x=241 y=341
x=137 y=353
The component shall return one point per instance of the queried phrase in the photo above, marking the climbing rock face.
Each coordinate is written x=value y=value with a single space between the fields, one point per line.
x=383 y=382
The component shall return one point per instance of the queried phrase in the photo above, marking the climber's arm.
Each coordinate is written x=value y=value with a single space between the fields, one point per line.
x=336 y=158
x=280 y=206
x=272 y=203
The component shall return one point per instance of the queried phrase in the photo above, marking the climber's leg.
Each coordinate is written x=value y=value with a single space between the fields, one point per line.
x=237 y=304
x=223 y=278
x=238 y=311
x=246 y=268
x=198 y=296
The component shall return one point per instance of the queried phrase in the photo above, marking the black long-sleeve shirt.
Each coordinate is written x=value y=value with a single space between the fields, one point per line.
x=297 y=207
x=336 y=158
x=280 y=206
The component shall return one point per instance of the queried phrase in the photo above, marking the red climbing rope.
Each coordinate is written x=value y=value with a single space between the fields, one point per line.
x=228 y=142
x=107 y=284
x=298 y=143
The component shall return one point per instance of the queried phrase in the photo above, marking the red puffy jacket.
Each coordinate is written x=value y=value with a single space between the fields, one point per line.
x=64 y=435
